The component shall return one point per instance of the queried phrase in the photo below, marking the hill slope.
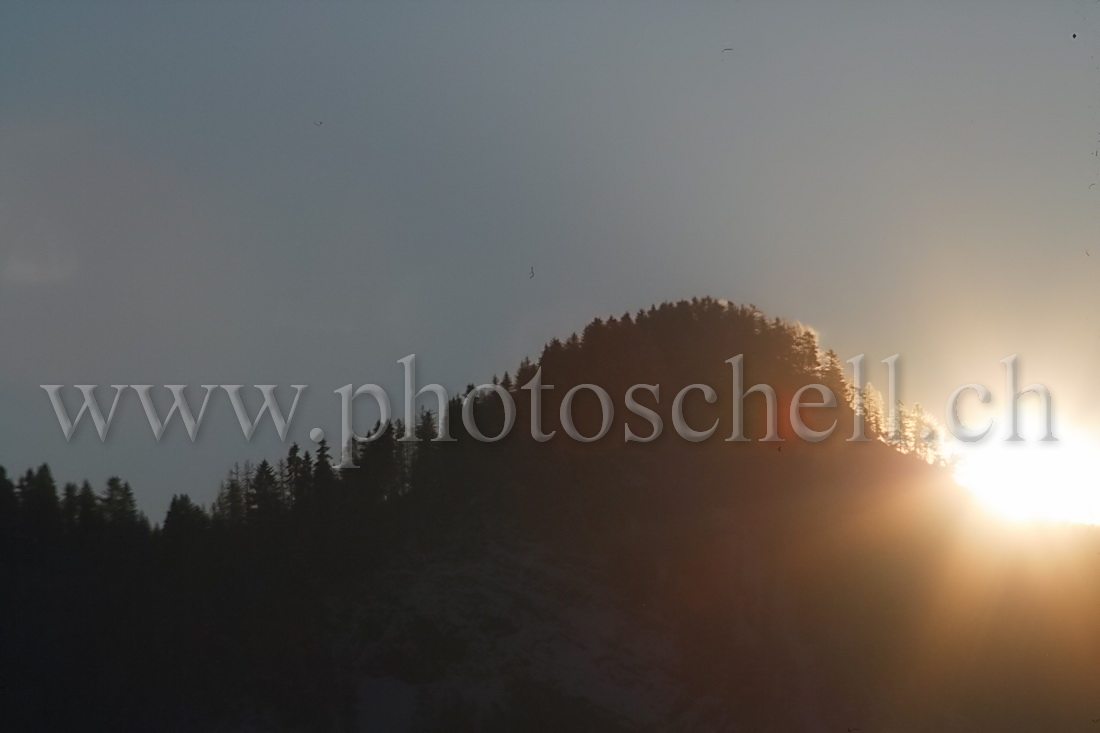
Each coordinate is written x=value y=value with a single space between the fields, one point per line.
x=560 y=585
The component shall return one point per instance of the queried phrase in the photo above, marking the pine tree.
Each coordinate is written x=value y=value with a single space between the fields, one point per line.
x=88 y=511
x=805 y=358
x=872 y=409
x=324 y=477
x=39 y=505
x=524 y=373
x=302 y=476
x=831 y=374
x=119 y=504
x=184 y=519
x=9 y=504
x=70 y=507
x=262 y=496
x=229 y=506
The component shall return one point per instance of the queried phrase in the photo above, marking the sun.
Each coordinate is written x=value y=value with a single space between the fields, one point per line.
x=1033 y=480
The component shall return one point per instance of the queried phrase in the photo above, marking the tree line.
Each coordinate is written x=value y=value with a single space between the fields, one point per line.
x=110 y=619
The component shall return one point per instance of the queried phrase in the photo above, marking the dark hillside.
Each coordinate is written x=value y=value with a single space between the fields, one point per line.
x=553 y=586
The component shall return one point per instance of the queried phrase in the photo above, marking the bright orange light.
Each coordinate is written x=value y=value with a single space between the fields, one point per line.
x=1033 y=480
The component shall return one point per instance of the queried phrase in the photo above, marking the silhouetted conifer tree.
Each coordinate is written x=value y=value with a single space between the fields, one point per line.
x=262 y=498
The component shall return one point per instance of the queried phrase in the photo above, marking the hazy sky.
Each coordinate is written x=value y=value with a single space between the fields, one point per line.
x=910 y=178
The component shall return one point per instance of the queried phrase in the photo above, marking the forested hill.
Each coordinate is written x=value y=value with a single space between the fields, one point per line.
x=674 y=345
x=558 y=585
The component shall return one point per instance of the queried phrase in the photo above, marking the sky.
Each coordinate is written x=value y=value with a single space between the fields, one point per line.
x=293 y=193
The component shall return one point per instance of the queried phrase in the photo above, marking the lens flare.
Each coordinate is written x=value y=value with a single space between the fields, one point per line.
x=1033 y=480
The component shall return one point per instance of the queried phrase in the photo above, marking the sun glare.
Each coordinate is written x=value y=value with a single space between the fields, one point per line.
x=1031 y=480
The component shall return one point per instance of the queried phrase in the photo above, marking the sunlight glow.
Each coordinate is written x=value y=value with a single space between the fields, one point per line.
x=1033 y=480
